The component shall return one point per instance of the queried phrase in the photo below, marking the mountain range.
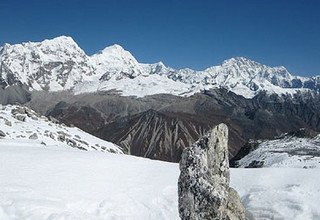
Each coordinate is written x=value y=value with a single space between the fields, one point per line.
x=60 y=64
x=151 y=110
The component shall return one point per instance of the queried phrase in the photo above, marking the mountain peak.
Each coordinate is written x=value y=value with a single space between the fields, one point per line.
x=240 y=61
x=115 y=53
x=63 y=38
x=113 y=49
x=61 y=41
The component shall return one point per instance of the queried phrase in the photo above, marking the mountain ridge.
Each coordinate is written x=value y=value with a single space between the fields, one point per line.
x=60 y=64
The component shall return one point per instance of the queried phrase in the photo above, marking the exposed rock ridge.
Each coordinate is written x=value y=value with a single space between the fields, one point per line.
x=204 y=191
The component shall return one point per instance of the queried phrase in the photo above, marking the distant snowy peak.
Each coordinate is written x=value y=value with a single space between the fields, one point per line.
x=60 y=64
x=115 y=62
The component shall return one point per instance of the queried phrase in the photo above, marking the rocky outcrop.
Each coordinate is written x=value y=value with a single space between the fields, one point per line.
x=204 y=191
x=34 y=136
x=2 y=134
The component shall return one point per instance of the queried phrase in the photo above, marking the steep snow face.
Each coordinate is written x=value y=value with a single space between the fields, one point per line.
x=22 y=125
x=60 y=64
x=51 y=183
x=285 y=152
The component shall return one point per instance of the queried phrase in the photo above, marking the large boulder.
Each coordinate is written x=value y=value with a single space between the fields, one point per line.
x=204 y=191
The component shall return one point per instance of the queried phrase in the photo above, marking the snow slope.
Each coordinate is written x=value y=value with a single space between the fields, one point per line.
x=285 y=152
x=64 y=183
x=60 y=64
x=21 y=125
x=52 y=183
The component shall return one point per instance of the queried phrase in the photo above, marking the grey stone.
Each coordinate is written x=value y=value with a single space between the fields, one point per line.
x=71 y=142
x=20 y=117
x=204 y=192
x=51 y=136
x=235 y=210
x=7 y=122
x=2 y=134
x=18 y=110
x=61 y=137
x=34 y=136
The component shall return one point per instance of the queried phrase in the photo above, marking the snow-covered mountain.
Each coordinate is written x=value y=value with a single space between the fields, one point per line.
x=53 y=65
x=60 y=64
x=22 y=125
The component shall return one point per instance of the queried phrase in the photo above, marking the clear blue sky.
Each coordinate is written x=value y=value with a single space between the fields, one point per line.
x=181 y=33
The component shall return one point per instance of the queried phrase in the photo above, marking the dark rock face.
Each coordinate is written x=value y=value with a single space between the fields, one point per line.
x=160 y=126
x=14 y=94
x=154 y=134
x=245 y=150
x=159 y=135
x=84 y=117
x=203 y=185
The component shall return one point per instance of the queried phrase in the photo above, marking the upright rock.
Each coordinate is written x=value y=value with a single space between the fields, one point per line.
x=204 y=192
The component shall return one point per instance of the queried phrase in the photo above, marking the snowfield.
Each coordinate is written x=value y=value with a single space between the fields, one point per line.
x=41 y=182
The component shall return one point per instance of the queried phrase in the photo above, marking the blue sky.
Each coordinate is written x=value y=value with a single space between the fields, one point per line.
x=181 y=33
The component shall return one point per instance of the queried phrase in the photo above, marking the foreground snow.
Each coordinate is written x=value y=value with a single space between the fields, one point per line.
x=38 y=182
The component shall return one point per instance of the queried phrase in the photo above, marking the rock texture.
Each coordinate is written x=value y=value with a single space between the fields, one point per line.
x=204 y=191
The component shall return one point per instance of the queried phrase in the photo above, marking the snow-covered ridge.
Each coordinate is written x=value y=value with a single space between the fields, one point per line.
x=23 y=125
x=288 y=151
x=60 y=64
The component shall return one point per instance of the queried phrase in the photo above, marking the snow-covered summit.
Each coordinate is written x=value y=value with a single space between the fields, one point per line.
x=115 y=62
x=60 y=64
x=53 y=65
